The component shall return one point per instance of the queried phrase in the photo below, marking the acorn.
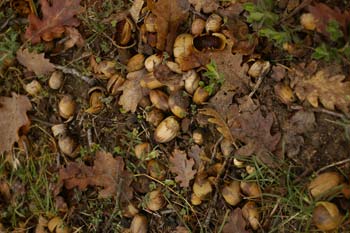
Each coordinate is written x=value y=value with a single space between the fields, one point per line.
x=124 y=32
x=59 y=130
x=66 y=106
x=130 y=210
x=150 y=23
x=200 y=96
x=197 y=26
x=57 y=225
x=159 y=99
x=213 y=23
x=67 y=146
x=191 y=81
x=259 y=68
x=324 y=184
x=150 y=82
x=182 y=46
x=56 y=80
x=284 y=93
x=142 y=150
x=155 y=200
x=174 y=67
x=326 y=216
x=197 y=136
x=167 y=130
x=226 y=147
x=154 y=117
x=251 y=189
x=238 y=163
x=139 y=224
x=308 y=21
x=33 y=88
x=232 y=193
x=153 y=61
x=202 y=189
x=96 y=104
x=251 y=214
x=178 y=104
x=136 y=62
x=156 y=169
x=114 y=83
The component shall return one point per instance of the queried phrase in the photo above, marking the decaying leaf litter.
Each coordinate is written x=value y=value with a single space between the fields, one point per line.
x=174 y=116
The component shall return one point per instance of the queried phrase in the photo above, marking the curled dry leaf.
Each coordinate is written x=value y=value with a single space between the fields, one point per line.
x=35 y=62
x=107 y=172
x=13 y=116
x=169 y=16
x=168 y=78
x=330 y=90
x=74 y=38
x=207 y=6
x=56 y=16
x=236 y=223
x=180 y=165
x=132 y=90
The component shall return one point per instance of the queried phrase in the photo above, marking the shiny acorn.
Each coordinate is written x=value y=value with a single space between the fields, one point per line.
x=135 y=63
x=259 y=68
x=159 y=99
x=139 y=224
x=326 y=216
x=192 y=79
x=324 y=184
x=66 y=106
x=200 y=96
x=56 y=80
x=167 y=130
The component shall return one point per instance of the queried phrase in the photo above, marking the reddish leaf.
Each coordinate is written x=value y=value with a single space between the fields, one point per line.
x=35 y=62
x=236 y=223
x=180 y=165
x=13 y=115
x=61 y=13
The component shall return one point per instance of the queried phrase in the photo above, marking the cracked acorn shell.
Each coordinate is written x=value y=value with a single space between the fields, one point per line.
x=284 y=93
x=159 y=99
x=202 y=189
x=182 y=46
x=114 y=83
x=96 y=105
x=154 y=117
x=167 y=130
x=213 y=23
x=259 y=68
x=142 y=150
x=215 y=41
x=152 y=61
x=124 y=32
x=67 y=145
x=232 y=193
x=250 y=212
x=57 y=225
x=326 y=216
x=33 y=88
x=156 y=169
x=150 y=82
x=66 y=107
x=191 y=81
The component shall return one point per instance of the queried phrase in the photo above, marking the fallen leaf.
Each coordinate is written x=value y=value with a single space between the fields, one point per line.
x=132 y=90
x=74 y=38
x=55 y=16
x=35 y=62
x=196 y=153
x=323 y=14
x=135 y=9
x=13 y=115
x=105 y=68
x=208 y=6
x=168 y=78
x=108 y=172
x=236 y=223
x=169 y=16
x=329 y=89
x=182 y=167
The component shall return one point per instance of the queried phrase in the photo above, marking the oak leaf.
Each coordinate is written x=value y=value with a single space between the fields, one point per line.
x=169 y=16
x=236 y=223
x=35 y=62
x=182 y=167
x=132 y=90
x=108 y=172
x=330 y=90
x=56 y=16
x=13 y=115
x=208 y=6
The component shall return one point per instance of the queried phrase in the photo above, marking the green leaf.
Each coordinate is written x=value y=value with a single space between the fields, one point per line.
x=334 y=30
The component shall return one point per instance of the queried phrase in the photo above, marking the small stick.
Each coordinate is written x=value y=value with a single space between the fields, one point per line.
x=297 y=9
x=321 y=110
x=74 y=72
x=257 y=85
x=333 y=165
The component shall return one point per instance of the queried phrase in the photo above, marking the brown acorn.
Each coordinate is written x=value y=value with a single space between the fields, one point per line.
x=232 y=193
x=66 y=107
x=178 y=104
x=251 y=189
x=324 y=184
x=159 y=99
x=155 y=116
x=326 y=216
x=167 y=130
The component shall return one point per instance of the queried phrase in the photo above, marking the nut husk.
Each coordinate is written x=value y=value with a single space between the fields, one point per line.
x=213 y=23
x=33 y=88
x=232 y=193
x=250 y=212
x=251 y=189
x=152 y=61
x=124 y=32
x=159 y=99
x=326 y=216
x=56 y=80
x=167 y=130
x=139 y=224
x=114 y=83
x=324 y=184
x=66 y=106
x=259 y=68
x=215 y=41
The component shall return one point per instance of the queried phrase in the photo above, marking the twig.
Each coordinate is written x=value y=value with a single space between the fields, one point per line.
x=76 y=73
x=6 y=22
x=333 y=165
x=321 y=110
x=297 y=9
x=257 y=85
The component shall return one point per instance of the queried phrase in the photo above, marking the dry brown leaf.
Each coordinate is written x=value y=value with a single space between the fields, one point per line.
x=55 y=16
x=168 y=78
x=216 y=118
x=236 y=223
x=182 y=167
x=107 y=172
x=13 y=115
x=135 y=9
x=323 y=14
x=74 y=38
x=35 y=62
x=170 y=15
x=330 y=90
x=208 y=6
x=132 y=90
x=181 y=229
